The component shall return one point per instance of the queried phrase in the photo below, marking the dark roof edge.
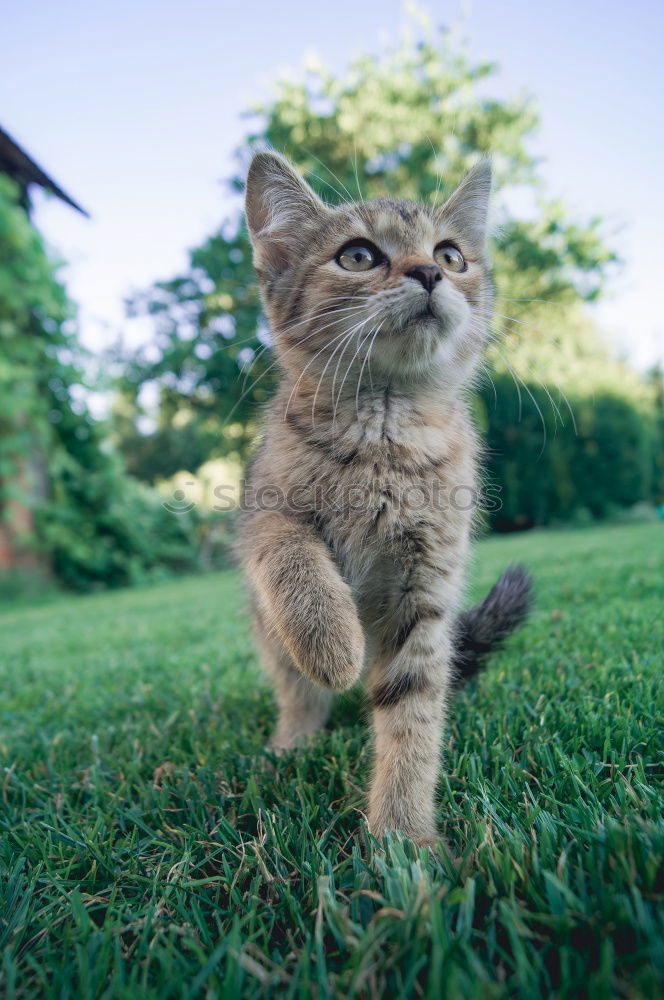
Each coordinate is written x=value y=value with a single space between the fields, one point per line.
x=25 y=170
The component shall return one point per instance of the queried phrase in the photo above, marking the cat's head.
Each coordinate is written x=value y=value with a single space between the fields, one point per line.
x=407 y=281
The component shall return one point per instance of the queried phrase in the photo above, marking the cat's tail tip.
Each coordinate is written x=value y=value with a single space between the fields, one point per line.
x=482 y=629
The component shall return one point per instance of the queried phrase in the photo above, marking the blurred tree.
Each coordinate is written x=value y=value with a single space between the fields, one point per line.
x=656 y=379
x=36 y=348
x=91 y=523
x=409 y=123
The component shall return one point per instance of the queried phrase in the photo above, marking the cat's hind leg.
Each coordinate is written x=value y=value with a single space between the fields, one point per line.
x=303 y=707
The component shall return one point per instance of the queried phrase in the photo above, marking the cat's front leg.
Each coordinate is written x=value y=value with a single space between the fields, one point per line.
x=408 y=690
x=303 y=599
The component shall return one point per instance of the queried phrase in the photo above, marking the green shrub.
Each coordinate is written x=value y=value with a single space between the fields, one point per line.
x=553 y=466
x=93 y=525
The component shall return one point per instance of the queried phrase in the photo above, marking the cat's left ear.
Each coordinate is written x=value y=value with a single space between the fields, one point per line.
x=278 y=203
x=466 y=212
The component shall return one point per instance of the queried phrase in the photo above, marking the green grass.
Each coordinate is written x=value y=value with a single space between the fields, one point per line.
x=151 y=847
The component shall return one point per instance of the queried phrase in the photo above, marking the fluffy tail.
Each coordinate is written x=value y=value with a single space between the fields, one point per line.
x=482 y=630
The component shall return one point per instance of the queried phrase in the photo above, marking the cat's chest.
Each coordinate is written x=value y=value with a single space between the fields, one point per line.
x=395 y=445
x=365 y=476
x=394 y=468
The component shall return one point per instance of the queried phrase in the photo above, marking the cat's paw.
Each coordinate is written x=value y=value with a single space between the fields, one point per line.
x=425 y=834
x=436 y=843
x=330 y=655
x=424 y=837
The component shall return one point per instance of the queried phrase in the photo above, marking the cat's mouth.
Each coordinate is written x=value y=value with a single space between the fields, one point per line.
x=427 y=312
x=423 y=318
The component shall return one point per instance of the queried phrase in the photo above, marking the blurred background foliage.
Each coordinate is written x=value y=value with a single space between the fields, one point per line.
x=411 y=124
x=65 y=499
x=572 y=433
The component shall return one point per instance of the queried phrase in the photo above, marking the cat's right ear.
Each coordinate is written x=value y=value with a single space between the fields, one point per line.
x=278 y=202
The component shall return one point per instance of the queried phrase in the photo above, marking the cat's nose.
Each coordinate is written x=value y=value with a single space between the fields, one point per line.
x=427 y=275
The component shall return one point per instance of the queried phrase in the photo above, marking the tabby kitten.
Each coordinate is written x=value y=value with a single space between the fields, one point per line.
x=356 y=524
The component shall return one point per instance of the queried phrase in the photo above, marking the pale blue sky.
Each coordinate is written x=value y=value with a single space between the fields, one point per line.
x=134 y=107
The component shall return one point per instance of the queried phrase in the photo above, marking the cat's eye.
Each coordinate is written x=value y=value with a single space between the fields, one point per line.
x=448 y=257
x=358 y=257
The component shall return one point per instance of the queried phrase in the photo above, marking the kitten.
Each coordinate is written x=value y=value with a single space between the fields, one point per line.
x=357 y=521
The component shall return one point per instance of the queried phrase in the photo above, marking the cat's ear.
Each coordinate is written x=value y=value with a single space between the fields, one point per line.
x=466 y=211
x=278 y=202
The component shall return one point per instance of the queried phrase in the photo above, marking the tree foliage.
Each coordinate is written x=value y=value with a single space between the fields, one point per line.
x=409 y=123
x=94 y=524
x=35 y=337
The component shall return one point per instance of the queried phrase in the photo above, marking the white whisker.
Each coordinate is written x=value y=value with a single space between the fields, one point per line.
x=311 y=360
x=347 y=340
x=347 y=201
x=359 y=347
x=276 y=362
x=515 y=376
x=359 y=377
x=531 y=373
x=357 y=179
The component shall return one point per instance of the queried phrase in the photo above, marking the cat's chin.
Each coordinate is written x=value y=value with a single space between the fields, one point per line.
x=410 y=350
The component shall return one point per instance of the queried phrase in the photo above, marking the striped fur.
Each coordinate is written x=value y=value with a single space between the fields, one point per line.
x=356 y=569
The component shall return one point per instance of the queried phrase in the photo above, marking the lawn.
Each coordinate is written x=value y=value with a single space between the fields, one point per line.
x=151 y=847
